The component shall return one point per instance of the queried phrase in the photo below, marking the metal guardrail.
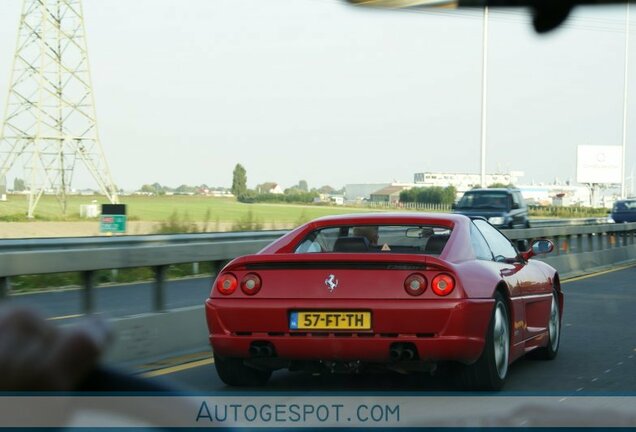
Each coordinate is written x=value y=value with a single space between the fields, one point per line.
x=625 y=230
x=566 y=222
x=87 y=255
x=90 y=254
x=581 y=249
x=70 y=254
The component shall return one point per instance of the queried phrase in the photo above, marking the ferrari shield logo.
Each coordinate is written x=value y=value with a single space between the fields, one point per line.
x=331 y=282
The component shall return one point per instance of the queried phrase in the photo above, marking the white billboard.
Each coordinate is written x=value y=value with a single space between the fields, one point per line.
x=598 y=164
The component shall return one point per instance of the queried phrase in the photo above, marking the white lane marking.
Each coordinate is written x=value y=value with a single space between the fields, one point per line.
x=65 y=317
x=608 y=370
x=562 y=399
x=619 y=364
x=594 y=379
x=579 y=389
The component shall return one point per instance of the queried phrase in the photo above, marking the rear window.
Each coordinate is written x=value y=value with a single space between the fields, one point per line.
x=624 y=206
x=410 y=239
x=485 y=200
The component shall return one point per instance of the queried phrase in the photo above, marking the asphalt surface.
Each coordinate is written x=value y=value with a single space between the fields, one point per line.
x=597 y=353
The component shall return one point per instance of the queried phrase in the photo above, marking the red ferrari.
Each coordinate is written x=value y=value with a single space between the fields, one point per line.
x=402 y=292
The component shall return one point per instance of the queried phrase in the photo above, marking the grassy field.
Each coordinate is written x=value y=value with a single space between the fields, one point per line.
x=161 y=208
x=213 y=210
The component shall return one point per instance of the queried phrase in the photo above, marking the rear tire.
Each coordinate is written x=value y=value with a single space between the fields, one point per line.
x=550 y=351
x=234 y=372
x=491 y=370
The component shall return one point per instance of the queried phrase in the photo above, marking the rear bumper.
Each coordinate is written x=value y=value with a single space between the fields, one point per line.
x=439 y=329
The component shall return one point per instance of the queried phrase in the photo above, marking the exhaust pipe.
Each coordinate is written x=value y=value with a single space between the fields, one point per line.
x=396 y=352
x=408 y=354
x=266 y=351
x=261 y=349
x=402 y=351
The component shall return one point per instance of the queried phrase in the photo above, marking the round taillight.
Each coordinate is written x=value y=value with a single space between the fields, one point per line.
x=251 y=284
x=443 y=284
x=226 y=283
x=415 y=284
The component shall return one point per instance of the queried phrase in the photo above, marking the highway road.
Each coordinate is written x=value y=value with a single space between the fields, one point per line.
x=598 y=352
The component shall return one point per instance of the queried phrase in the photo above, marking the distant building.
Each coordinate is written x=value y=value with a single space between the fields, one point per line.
x=86 y=192
x=389 y=194
x=537 y=195
x=92 y=210
x=558 y=195
x=362 y=191
x=327 y=198
x=270 y=187
x=463 y=181
x=221 y=193
x=336 y=199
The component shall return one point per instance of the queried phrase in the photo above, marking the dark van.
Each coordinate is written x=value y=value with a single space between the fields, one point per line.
x=503 y=208
x=624 y=211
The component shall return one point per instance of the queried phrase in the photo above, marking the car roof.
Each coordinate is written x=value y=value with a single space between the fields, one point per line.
x=493 y=190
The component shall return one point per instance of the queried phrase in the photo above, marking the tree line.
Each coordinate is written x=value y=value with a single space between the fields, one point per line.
x=299 y=193
x=438 y=195
x=159 y=189
x=429 y=195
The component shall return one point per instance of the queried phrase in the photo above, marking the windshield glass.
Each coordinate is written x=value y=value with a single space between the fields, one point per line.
x=491 y=200
x=625 y=206
x=422 y=239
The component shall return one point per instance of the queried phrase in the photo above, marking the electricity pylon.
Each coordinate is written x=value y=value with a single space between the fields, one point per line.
x=50 y=119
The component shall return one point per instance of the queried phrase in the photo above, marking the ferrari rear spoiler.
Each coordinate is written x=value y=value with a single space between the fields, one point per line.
x=339 y=261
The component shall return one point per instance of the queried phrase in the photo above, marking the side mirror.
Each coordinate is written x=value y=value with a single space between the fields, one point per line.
x=515 y=206
x=539 y=247
x=453 y=206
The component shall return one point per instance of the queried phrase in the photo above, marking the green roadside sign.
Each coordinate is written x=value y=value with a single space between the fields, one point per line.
x=112 y=223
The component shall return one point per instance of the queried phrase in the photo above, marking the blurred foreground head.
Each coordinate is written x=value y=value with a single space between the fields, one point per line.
x=37 y=355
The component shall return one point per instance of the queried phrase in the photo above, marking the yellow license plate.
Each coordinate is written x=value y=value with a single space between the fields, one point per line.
x=340 y=320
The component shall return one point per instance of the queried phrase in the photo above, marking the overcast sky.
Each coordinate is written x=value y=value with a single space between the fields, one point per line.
x=317 y=90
